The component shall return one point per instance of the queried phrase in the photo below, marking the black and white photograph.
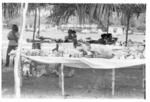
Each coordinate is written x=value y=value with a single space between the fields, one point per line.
x=73 y=50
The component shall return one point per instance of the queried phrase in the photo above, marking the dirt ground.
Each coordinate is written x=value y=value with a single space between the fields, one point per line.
x=86 y=83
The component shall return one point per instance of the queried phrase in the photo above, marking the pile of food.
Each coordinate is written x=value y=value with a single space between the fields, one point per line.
x=89 y=51
x=84 y=50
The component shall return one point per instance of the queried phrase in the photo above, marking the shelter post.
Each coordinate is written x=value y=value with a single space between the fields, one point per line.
x=113 y=81
x=17 y=77
x=144 y=91
x=62 y=79
x=17 y=66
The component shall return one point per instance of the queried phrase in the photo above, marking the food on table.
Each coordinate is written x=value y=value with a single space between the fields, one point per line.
x=91 y=51
x=84 y=50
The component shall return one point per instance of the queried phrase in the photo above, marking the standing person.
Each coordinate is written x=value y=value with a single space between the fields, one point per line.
x=13 y=37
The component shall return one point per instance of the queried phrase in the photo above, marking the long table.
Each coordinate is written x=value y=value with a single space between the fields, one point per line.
x=96 y=63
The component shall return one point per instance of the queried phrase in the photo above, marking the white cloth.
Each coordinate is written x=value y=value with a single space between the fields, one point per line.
x=97 y=63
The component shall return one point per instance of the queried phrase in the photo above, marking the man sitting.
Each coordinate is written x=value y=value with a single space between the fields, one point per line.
x=72 y=37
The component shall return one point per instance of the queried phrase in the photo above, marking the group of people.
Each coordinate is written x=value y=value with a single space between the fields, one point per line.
x=13 y=37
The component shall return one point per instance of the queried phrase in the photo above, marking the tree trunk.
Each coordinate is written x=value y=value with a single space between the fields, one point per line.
x=38 y=32
x=39 y=22
x=128 y=22
x=35 y=19
x=35 y=28
x=108 y=22
x=79 y=13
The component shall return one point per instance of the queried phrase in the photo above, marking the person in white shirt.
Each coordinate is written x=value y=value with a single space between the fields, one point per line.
x=13 y=37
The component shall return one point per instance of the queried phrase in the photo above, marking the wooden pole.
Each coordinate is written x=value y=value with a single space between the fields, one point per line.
x=144 y=91
x=17 y=68
x=62 y=80
x=127 y=29
x=113 y=82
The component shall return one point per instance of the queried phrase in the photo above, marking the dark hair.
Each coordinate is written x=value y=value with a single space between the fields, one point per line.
x=103 y=36
x=73 y=31
x=15 y=27
x=69 y=31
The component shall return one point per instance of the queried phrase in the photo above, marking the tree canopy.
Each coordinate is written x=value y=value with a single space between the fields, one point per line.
x=60 y=13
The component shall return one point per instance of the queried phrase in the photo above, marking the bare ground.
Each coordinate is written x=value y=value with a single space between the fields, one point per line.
x=86 y=83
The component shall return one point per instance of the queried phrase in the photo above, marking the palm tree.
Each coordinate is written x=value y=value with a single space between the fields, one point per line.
x=81 y=10
x=128 y=10
x=61 y=13
x=102 y=13
x=92 y=12
x=36 y=8
x=11 y=10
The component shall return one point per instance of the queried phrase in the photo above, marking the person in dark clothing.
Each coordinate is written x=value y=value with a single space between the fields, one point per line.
x=70 y=36
x=13 y=37
x=74 y=38
x=102 y=39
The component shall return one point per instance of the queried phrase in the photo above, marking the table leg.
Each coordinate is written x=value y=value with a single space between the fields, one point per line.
x=21 y=70
x=113 y=82
x=62 y=80
x=144 y=91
